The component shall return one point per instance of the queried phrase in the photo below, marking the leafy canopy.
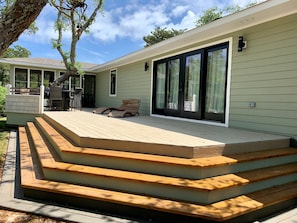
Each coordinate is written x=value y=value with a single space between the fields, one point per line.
x=160 y=34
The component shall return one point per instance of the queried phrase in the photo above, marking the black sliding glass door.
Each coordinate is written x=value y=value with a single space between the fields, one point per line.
x=192 y=85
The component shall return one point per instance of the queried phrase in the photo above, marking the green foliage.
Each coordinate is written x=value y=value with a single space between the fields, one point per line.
x=209 y=15
x=214 y=13
x=12 y=52
x=2 y=99
x=16 y=51
x=160 y=34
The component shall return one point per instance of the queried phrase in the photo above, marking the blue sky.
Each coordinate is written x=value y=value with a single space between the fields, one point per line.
x=121 y=27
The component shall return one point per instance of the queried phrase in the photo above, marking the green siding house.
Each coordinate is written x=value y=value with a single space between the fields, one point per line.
x=239 y=71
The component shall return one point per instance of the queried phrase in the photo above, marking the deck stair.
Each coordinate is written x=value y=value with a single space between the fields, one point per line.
x=219 y=188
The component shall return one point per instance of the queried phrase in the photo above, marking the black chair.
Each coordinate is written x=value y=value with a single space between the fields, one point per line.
x=55 y=98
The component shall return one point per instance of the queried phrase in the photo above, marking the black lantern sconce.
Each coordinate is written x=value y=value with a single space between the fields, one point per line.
x=146 y=66
x=241 y=44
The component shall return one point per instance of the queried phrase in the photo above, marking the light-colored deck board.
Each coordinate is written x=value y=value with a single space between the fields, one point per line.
x=155 y=130
x=65 y=146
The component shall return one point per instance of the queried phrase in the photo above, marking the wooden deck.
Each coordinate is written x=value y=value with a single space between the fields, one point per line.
x=176 y=138
x=143 y=166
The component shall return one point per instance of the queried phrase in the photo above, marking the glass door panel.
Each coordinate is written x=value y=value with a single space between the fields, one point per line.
x=49 y=77
x=173 y=84
x=192 y=83
x=160 y=86
x=216 y=84
x=35 y=78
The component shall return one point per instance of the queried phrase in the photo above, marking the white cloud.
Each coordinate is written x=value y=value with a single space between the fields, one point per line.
x=134 y=19
x=128 y=22
x=179 y=10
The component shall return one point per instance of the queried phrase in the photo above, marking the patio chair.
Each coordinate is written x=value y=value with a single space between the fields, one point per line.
x=103 y=110
x=129 y=109
x=55 y=98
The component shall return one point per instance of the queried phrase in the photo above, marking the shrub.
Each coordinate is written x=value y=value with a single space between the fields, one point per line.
x=2 y=99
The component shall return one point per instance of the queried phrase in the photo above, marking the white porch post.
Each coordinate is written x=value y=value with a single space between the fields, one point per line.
x=41 y=100
x=8 y=89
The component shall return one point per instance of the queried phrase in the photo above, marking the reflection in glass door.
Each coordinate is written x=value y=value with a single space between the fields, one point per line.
x=160 y=82
x=192 y=86
x=173 y=84
x=216 y=84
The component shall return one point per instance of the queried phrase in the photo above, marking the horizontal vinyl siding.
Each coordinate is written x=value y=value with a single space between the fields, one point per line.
x=132 y=82
x=266 y=73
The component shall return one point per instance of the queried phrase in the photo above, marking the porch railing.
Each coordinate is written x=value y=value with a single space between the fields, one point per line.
x=26 y=101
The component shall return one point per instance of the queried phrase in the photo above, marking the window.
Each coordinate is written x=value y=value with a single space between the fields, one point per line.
x=49 y=77
x=35 y=78
x=113 y=83
x=21 y=78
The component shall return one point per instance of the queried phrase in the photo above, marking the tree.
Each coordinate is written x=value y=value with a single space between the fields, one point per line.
x=72 y=15
x=209 y=15
x=214 y=13
x=160 y=34
x=17 y=16
x=16 y=51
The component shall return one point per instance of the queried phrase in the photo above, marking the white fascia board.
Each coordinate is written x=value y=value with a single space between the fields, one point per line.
x=261 y=13
x=37 y=65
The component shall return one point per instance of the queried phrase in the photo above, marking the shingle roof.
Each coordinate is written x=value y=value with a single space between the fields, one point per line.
x=43 y=62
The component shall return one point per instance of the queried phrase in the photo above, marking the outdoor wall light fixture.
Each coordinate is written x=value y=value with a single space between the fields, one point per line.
x=146 y=66
x=241 y=44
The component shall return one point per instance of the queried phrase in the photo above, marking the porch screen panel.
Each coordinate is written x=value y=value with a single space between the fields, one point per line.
x=35 y=78
x=216 y=81
x=173 y=84
x=160 y=86
x=192 y=83
x=21 y=78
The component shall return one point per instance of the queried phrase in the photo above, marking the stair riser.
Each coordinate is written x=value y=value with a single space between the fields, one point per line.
x=129 y=186
x=246 y=166
x=163 y=169
x=166 y=169
x=251 y=187
x=163 y=190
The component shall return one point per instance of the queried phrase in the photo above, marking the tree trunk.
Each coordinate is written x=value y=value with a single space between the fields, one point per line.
x=17 y=19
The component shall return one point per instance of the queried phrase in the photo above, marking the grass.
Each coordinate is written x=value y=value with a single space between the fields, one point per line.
x=10 y=215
